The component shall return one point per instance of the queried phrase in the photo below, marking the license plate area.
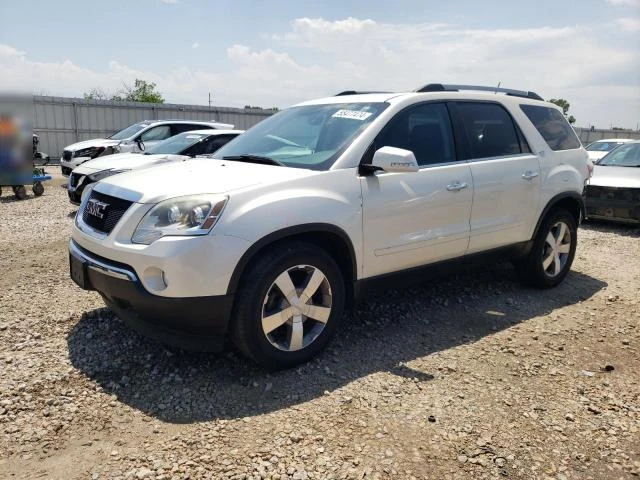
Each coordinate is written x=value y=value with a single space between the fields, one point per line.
x=78 y=272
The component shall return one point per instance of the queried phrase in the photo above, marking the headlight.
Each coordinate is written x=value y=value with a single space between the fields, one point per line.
x=95 y=177
x=92 y=152
x=85 y=194
x=192 y=215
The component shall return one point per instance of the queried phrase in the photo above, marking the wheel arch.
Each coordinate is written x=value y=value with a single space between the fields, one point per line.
x=331 y=238
x=573 y=202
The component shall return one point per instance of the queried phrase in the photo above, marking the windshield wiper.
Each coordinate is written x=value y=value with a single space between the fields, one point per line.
x=247 y=157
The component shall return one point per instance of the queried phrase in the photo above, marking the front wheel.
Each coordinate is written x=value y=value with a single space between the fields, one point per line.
x=288 y=306
x=552 y=253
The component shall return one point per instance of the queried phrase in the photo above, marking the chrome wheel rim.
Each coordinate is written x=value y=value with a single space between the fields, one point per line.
x=557 y=246
x=296 y=308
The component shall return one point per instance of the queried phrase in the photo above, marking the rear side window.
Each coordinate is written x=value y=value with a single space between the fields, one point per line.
x=553 y=127
x=489 y=130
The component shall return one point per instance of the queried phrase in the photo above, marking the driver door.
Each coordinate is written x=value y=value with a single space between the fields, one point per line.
x=417 y=218
x=154 y=135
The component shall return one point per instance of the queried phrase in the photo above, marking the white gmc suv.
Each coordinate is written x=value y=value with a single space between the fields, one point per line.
x=300 y=214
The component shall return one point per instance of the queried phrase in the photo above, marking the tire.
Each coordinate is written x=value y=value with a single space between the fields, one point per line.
x=273 y=330
x=552 y=253
x=21 y=192
x=38 y=189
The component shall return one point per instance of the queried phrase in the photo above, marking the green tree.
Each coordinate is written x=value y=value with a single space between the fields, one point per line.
x=564 y=105
x=142 y=91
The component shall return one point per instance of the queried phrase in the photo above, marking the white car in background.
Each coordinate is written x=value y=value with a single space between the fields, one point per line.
x=174 y=149
x=599 y=149
x=134 y=138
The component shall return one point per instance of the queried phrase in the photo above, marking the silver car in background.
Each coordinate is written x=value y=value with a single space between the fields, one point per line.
x=613 y=192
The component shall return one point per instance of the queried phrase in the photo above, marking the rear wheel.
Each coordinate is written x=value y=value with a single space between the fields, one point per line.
x=552 y=253
x=288 y=306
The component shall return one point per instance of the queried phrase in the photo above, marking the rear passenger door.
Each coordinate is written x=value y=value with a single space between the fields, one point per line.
x=506 y=175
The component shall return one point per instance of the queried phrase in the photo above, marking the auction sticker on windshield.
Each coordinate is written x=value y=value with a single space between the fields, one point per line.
x=352 y=114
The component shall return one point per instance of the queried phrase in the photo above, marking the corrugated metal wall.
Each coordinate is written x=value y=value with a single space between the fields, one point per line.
x=61 y=121
x=588 y=136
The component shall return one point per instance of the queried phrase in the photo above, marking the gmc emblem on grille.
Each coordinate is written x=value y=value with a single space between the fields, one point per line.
x=96 y=208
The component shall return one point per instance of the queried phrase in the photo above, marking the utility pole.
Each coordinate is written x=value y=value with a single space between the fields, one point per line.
x=209 y=100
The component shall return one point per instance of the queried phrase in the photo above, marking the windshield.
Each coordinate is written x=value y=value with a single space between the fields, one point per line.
x=627 y=155
x=128 y=132
x=603 y=146
x=176 y=144
x=311 y=136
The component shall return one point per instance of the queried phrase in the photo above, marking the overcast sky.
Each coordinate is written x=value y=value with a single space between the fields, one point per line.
x=276 y=53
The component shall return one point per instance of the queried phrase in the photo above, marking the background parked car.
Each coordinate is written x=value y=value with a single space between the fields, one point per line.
x=176 y=148
x=613 y=193
x=134 y=138
x=599 y=149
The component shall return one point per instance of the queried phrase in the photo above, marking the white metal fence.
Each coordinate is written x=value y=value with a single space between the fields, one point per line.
x=588 y=136
x=61 y=121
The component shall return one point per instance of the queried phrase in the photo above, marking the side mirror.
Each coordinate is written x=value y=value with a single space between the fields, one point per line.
x=392 y=160
x=140 y=144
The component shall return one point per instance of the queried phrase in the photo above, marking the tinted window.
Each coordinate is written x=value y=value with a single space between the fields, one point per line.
x=553 y=127
x=489 y=130
x=176 y=144
x=210 y=145
x=186 y=127
x=425 y=130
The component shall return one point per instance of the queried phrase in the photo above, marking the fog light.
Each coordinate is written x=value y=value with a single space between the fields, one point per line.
x=154 y=279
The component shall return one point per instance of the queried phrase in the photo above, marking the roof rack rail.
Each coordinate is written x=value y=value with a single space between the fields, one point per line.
x=355 y=92
x=439 y=87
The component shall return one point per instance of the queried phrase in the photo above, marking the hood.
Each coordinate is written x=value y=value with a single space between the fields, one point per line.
x=192 y=177
x=620 y=177
x=593 y=156
x=126 y=161
x=96 y=142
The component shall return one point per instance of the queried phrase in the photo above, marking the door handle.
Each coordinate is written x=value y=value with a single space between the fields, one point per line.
x=529 y=175
x=456 y=186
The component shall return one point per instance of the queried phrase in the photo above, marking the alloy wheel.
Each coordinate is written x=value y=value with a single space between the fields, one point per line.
x=296 y=308
x=557 y=246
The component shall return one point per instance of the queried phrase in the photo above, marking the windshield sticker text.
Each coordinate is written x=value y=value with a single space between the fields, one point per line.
x=352 y=114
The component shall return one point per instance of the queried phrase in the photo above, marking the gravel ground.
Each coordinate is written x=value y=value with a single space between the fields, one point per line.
x=471 y=376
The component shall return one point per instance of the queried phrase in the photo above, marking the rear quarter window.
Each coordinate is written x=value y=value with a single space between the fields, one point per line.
x=553 y=127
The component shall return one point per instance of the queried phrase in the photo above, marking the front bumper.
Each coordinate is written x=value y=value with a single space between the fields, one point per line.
x=193 y=323
x=67 y=166
x=614 y=204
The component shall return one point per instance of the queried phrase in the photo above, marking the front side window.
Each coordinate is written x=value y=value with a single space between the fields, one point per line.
x=160 y=132
x=311 y=136
x=489 y=130
x=553 y=127
x=627 y=155
x=424 y=129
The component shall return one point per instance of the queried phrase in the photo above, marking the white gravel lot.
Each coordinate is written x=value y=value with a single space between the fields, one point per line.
x=469 y=376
